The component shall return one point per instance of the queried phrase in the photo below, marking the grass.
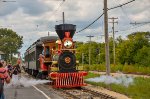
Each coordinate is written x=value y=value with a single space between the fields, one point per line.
x=91 y=75
x=140 y=89
x=122 y=68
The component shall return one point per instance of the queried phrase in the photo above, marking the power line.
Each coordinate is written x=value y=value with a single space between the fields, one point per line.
x=134 y=27
x=91 y=23
x=121 y=5
x=57 y=8
x=140 y=24
x=136 y=23
x=125 y=13
x=103 y=14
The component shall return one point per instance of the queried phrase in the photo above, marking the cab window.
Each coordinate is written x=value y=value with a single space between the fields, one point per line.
x=47 y=51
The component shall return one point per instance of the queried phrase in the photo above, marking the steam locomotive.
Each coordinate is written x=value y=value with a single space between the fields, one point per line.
x=59 y=61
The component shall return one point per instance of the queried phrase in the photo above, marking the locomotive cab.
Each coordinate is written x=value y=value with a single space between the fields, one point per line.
x=48 y=44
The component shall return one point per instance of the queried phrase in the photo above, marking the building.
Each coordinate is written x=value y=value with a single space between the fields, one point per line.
x=2 y=55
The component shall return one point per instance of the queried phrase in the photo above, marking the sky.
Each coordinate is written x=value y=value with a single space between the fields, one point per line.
x=33 y=19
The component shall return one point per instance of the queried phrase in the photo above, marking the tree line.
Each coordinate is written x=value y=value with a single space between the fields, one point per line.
x=135 y=50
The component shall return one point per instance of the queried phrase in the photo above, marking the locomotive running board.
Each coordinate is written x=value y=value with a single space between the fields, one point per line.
x=67 y=80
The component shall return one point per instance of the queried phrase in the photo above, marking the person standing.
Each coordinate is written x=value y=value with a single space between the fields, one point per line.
x=43 y=68
x=4 y=77
x=9 y=69
x=16 y=70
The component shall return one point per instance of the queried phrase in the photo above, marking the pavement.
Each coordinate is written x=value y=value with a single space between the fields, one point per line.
x=23 y=93
x=32 y=92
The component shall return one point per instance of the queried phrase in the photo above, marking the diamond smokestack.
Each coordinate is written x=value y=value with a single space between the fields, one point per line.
x=62 y=28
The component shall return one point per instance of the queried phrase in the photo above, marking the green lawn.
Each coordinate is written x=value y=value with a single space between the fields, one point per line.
x=91 y=75
x=140 y=89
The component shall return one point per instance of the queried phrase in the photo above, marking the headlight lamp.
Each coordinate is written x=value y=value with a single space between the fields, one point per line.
x=68 y=44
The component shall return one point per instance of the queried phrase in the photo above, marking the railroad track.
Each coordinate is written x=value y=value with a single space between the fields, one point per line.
x=84 y=93
x=79 y=93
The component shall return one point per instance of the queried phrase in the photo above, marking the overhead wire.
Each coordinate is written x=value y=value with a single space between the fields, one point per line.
x=121 y=5
x=133 y=27
x=103 y=14
x=90 y=23
x=54 y=12
x=125 y=13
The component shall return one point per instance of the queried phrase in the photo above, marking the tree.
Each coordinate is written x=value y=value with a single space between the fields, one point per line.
x=10 y=42
x=94 y=55
x=111 y=49
x=143 y=56
x=128 y=49
x=102 y=53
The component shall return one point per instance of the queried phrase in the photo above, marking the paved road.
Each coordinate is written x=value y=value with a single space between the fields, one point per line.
x=23 y=93
x=33 y=92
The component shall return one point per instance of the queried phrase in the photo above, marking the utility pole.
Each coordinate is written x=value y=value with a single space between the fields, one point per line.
x=63 y=15
x=113 y=28
x=48 y=33
x=90 y=36
x=107 y=58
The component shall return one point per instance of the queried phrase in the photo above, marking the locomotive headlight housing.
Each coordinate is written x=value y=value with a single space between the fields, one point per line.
x=68 y=44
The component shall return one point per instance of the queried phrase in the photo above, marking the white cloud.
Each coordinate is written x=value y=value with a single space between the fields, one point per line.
x=34 y=18
x=141 y=16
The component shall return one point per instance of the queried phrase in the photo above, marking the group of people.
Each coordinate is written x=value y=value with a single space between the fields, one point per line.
x=6 y=73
